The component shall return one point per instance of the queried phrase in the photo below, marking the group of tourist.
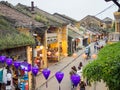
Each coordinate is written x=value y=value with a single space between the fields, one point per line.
x=78 y=71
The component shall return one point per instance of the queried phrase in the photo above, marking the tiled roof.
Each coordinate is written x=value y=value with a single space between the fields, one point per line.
x=51 y=20
x=8 y=10
x=65 y=18
x=90 y=16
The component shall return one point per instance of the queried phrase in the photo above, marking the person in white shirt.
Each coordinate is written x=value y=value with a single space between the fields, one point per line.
x=9 y=80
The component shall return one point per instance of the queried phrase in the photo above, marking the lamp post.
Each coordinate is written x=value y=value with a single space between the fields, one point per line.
x=33 y=46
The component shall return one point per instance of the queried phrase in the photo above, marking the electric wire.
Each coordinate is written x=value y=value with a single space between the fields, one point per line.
x=105 y=9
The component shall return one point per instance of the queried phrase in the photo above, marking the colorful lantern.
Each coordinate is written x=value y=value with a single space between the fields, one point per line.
x=75 y=78
x=25 y=66
x=35 y=70
x=2 y=59
x=46 y=73
x=74 y=55
x=59 y=76
x=84 y=56
x=57 y=53
x=9 y=61
x=17 y=64
x=49 y=53
x=41 y=47
x=65 y=54
x=94 y=56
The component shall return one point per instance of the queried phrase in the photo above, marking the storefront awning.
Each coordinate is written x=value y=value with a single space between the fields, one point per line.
x=73 y=34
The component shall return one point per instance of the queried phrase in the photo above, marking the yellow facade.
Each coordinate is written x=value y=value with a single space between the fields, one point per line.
x=64 y=40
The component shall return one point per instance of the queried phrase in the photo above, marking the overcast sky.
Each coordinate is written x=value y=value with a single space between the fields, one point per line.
x=76 y=9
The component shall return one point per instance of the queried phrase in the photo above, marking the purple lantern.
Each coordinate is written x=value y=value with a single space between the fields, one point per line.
x=9 y=61
x=59 y=76
x=2 y=59
x=75 y=78
x=17 y=64
x=35 y=70
x=46 y=73
x=25 y=66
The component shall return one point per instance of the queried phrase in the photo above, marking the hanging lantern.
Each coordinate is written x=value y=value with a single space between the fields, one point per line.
x=57 y=53
x=28 y=67
x=59 y=76
x=65 y=54
x=25 y=66
x=2 y=59
x=46 y=73
x=75 y=78
x=84 y=56
x=9 y=61
x=94 y=56
x=49 y=53
x=74 y=55
x=35 y=70
x=17 y=64
x=41 y=47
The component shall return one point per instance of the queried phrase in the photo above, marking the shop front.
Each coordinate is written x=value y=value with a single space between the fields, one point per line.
x=19 y=78
x=52 y=48
x=74 y=41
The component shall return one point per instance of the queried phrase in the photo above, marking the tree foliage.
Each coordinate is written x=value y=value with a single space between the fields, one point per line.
x=106 y=67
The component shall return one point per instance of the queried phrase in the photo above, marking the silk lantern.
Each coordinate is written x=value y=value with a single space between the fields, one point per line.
x=35 y=70
x=59 y=76
x=2 y=59
x=17 y=64
x=84 y=56
x=94 y=56
x=46 y=73
x=25 y=66
x=9 y=61
x=75 y=78
x=74 y=55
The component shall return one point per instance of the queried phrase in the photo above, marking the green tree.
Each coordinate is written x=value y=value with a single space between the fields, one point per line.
x=106 y=67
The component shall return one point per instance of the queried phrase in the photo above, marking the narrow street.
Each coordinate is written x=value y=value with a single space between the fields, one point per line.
x=65 y=84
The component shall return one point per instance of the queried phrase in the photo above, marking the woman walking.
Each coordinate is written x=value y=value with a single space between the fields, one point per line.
x=82 y=85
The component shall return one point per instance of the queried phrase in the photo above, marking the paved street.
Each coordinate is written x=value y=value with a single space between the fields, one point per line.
x=65 y=65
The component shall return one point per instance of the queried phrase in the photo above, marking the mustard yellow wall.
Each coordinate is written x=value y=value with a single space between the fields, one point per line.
x=53 y=45
x=64 y=40
x=44 y=51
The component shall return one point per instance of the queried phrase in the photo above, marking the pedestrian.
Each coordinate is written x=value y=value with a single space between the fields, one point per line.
x=9 y=79
x=82 y=85
x=96 y=47
x=72 y=72
x=80 y=65
x=87 y=51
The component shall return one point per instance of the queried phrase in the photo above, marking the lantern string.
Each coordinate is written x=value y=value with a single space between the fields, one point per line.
x=59 y=87
x=46 y=84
